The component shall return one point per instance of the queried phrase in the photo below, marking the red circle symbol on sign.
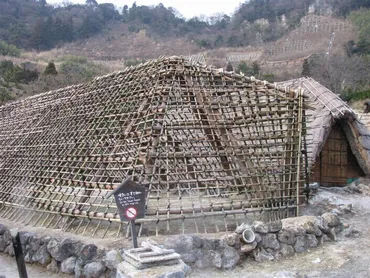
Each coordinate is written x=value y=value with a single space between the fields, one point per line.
x=131 y=213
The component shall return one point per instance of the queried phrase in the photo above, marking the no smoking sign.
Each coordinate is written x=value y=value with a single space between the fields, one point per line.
x=131 y=213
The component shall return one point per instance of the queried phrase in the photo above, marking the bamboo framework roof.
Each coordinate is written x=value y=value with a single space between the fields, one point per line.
x=210 y=147
x=329 y=108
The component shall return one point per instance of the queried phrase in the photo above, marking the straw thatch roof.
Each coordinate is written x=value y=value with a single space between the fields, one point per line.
x=204 y=143
x=328 y=109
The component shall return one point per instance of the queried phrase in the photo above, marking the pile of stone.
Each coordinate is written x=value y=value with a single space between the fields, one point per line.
x=65 y=256
x=272 y=241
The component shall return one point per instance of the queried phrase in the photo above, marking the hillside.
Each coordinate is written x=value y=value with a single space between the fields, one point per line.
x=277 y=36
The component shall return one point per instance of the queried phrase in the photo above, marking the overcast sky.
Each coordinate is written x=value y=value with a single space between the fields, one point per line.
x=188 y=8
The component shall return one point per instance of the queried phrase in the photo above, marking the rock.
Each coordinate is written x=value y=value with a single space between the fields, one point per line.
x=274 y=226
x=231 y=239
x=112 y=259
x=45 y=239
x=286 y=236
x=258 y=238
x=260 y=255
x=212 y=243
x=68 y=265
x=79 y=269
x=9 y=250
x=352 y=232
x=25 y=238
x=94 y=270
x=259 y=227
x=42 y=256
x=3 y=244
x=270 y=241
x=203 y=260
x=230 y=258
x=246 y=248
x=286 y=250
x=332 y=234
x=300 y=245
x=346 y=208
x=324 y=238
x=197 y=241
x=190 y=257
x=332 y=219
x=34 y=243
x=69 y=248
x=54 y=249
x=181 y=244
x=311 y=240
x=53 y=266
x=88 y=253
x=240 y=229
x=316 y=261
x=3 y=229
x=28 y=257
x=7 y=237
x=215 y=258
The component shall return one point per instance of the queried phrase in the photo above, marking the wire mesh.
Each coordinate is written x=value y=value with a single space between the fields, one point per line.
x=212 y=148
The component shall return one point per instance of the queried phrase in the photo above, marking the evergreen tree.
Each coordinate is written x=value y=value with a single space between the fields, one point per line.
x=50 y=69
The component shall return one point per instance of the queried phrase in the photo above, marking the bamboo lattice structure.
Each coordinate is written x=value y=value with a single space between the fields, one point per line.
x=212 y=149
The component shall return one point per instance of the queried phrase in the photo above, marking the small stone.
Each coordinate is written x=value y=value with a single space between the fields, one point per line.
x=260 y=227
x=260 y=255
x=246 y=248
x=42 y=256
x=112 y=259
x=346 y=225
x=53 y=266
x=285 y=274
x=45 y=239
x=274 y=226
x=332 y=219
x=231 y=239
x=346 y=208
x=270 y=241
x=215 y=258
x=286 y=250
x=3 y=229
x=94 y=270
x=230 y=258
x=286 y=236
x=68 y=265
x=300 y=245
x=316 y=261
x=240 y=229
x=311 y=240
x=88 y=253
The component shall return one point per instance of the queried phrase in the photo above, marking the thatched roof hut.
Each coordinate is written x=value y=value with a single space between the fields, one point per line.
x=338 y=143
x=210 y=147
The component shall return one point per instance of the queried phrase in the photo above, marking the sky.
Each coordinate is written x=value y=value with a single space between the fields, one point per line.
x=187 y=8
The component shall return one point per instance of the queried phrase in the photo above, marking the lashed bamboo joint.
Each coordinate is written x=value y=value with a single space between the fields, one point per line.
x=210 y=147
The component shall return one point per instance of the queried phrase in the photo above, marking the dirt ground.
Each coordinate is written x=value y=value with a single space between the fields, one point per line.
x=349 y=256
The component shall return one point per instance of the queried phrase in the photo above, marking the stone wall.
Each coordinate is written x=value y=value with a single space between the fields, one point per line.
x=66 y=256
x=272 y=241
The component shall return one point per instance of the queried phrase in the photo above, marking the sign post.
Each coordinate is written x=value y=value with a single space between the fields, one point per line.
x=130 y=199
